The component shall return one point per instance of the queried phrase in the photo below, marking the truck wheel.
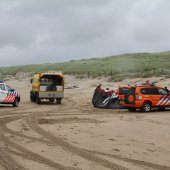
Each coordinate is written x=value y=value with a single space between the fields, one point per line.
x=51 y=100
x=16 y=102
x=58 y=101
x=38 y=100
x=32 y=98
x=146 y=107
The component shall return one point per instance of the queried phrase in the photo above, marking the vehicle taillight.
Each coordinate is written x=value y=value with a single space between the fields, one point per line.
x=138 y=97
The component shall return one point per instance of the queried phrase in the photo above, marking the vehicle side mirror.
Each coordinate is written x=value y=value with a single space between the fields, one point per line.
x=31 y=80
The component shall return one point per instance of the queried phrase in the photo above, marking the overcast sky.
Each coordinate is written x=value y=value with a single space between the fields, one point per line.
x=41 y=31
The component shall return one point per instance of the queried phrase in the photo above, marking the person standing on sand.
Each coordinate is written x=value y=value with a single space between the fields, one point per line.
x=166 y=89
x=98 y=87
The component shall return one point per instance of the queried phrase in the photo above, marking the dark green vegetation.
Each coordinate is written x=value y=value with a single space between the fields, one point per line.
x=115 y=67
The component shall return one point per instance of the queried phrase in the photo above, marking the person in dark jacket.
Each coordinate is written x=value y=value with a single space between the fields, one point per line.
x=166 y=89
x=98 y=87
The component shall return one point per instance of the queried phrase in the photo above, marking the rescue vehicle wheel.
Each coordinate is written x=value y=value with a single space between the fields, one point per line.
x=58 y=101
x=16 y=102
x=162 y=108
x=146 y=107
x=132 y=109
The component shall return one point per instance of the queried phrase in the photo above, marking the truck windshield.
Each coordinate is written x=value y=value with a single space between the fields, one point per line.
x=51 y=80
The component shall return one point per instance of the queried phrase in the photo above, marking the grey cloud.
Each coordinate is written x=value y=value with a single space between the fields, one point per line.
x=54 y=30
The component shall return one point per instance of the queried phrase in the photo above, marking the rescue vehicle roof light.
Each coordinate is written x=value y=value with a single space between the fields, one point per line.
x=148 y=83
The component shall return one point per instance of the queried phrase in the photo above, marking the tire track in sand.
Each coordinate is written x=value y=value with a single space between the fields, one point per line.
x=137 y=162
x=8 y=119
x=134 y=161
x=8 y=163
x=32 y=122
x=34 y=156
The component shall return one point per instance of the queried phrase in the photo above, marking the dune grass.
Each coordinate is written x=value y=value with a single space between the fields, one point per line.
x=116 y=67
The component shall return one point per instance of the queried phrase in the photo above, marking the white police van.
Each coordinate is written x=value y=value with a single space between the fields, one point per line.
x=8 y=95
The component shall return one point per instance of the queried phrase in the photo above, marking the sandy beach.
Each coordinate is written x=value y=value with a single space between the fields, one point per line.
x=77 y=136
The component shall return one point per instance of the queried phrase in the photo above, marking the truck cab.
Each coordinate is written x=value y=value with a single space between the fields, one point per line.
x=47 y=86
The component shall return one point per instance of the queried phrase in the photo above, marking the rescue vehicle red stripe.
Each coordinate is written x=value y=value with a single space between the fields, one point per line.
x=161 y=100
x=166 y=99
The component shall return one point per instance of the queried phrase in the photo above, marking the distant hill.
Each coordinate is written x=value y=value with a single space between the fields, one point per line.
x=117 y=67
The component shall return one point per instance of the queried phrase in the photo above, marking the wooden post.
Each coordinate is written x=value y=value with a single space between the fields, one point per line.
x=111 y=74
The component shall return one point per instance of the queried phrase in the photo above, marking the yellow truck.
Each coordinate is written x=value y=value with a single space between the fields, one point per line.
x=48 y=86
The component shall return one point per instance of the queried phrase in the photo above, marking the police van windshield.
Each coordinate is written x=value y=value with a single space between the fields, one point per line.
x=2 y=87
x=8 y=88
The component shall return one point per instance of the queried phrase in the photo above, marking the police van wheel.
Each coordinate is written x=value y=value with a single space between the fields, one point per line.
x=146 y=107
x=58 y=101
x=16 y=102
